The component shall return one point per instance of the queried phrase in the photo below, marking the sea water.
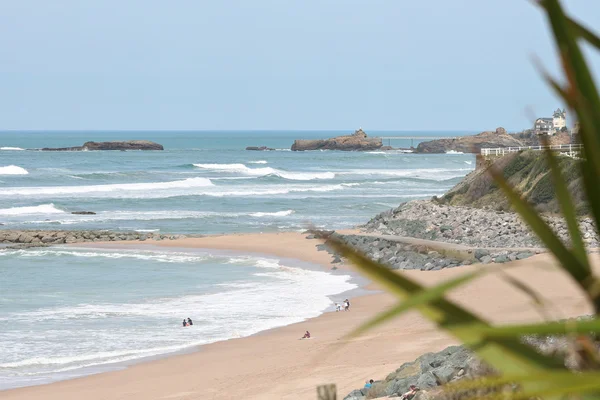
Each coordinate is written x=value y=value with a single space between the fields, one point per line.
x=208 y=183
x=68 y=312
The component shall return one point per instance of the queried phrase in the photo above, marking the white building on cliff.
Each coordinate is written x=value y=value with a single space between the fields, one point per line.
x=549 y=126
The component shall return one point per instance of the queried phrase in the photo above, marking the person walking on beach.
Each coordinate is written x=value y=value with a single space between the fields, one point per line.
x=184 y=323
x=190 y=323
x=338 y=307
x=346 y=305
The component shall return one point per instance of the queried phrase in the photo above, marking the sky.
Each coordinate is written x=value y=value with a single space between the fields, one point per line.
x=277 y=64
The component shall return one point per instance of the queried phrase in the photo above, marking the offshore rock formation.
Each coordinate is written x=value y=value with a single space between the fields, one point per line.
x=259 y=148
x=127 y=145
x=470 y=144
x=358 y=141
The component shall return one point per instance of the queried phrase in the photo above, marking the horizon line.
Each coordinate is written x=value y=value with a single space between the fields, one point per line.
x=240 y=130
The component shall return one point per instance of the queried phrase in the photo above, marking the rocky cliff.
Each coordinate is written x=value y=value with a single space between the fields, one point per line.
x=358 y=141
x=526 y=171
x=126 y=145
x=470 y=144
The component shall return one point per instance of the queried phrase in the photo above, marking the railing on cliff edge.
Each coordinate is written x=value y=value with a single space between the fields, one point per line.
x=572 y=150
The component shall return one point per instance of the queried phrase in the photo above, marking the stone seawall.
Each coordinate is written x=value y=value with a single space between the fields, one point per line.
x=39 y=237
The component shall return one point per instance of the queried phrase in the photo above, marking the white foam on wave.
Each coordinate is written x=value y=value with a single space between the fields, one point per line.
x=108 y=332
x=454 y=152
x=188 y=187
x=272 y=214
x=13 y=170
x=242 y=169
x=436 y=174
x=11 y=148
x=158 y=215
x=41 y=209
x=150 y=189
x=258 y=162
x=171 y=257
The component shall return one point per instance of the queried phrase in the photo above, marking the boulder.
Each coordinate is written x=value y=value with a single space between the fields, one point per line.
x=358 y=141
x=480 y=253
x=355 y=395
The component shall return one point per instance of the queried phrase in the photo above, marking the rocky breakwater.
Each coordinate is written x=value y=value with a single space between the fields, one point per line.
x=405 y=256
x=33 y=238
x=469 y=226
x=470 y=144
x=427 y=372
x=358 y=141
x=431 y=371
x=126 y=145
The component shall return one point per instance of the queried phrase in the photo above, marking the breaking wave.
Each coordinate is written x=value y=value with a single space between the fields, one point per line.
x=41 y=209
x=13 y=170
x=242 y=169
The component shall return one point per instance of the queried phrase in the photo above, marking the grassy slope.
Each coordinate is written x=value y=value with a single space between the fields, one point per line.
x=528 y=172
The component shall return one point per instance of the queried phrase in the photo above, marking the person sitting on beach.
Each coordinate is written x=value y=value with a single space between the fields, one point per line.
x=338 y=307
x=411 y=393
x=184 y=322
x=369 y=384
x=306 y=335
x=189 y=321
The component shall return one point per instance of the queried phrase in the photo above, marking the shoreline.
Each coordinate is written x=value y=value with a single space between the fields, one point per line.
x=274 y=364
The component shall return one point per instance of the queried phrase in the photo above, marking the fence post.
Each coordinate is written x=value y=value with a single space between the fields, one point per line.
x=327 y=392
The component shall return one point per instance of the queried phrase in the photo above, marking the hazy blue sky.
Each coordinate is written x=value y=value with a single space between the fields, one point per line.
x=275 y=64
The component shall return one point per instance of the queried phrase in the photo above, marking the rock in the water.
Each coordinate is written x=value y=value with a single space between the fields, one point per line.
x=126 y=145
x=470 y=144
x=259 y=148
x=358 y=141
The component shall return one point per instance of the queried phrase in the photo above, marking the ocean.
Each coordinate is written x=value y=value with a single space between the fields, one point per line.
x=68 y=312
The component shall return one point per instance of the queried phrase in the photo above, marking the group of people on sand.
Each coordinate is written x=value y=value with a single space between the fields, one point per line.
x=187 y=322
x=345 y=306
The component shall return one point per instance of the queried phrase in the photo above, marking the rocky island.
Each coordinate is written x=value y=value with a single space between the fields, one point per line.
x=126 y=145
x=470 y=144
x=358 y=141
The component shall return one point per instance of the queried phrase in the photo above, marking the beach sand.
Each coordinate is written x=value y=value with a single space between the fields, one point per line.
x=277 y=365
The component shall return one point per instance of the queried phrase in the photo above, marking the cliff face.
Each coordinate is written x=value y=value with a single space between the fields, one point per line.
x=470 y=144
x=528 y=173
x=358 y=141
x=128 y=145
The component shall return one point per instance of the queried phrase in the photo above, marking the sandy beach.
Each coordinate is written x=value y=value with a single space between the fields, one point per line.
x=277 y=365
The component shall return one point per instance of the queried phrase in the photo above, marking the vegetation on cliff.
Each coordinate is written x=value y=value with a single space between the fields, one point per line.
x=529 y=173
